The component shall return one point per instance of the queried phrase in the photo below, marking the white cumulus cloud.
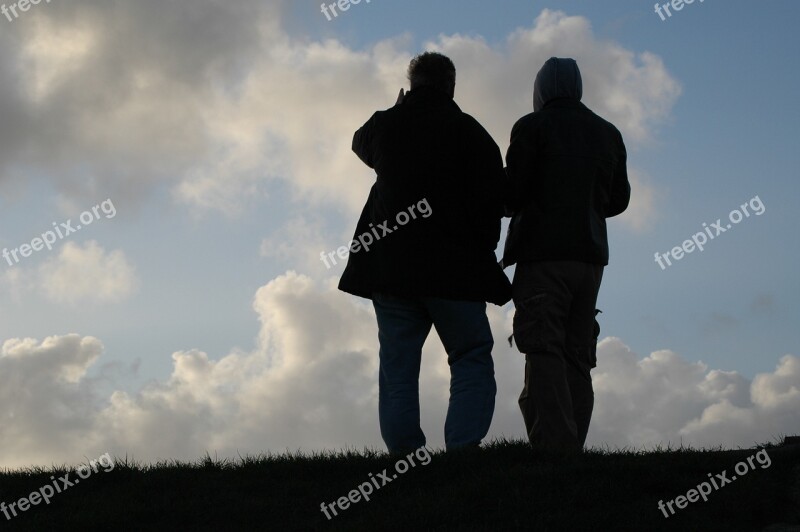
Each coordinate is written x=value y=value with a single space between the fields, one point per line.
x=87 y=274
x=310 y=382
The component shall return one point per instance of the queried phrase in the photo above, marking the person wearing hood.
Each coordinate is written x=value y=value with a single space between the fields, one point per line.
x=566 y=173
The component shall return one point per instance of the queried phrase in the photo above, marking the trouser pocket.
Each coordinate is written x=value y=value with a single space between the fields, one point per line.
x=530 y=323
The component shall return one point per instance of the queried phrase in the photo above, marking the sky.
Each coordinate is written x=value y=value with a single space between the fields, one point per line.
x=203 y=148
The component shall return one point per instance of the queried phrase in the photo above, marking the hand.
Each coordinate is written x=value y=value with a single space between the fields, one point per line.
x=400 y=97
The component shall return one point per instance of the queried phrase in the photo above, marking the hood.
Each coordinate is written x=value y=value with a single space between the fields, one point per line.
x=558 y=78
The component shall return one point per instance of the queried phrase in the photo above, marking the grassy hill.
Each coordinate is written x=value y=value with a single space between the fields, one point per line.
x=503 y=486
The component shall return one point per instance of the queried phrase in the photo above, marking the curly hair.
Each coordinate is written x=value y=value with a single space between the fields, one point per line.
x=434 y=70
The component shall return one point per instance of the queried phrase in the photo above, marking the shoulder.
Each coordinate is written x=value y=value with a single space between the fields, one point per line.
x=473 y=127
x=380 y=120
x=610 y=128
x=379 y=116
x=528 y=121
x=470 y=121
x=525 y=126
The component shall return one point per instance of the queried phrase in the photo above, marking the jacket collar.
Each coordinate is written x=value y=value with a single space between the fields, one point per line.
x=564 y=103
x=429 y=96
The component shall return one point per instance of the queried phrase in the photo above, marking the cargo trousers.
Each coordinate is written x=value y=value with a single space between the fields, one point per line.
x=555 y=327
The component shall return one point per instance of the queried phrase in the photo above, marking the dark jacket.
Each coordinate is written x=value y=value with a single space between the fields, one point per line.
x=567 y=173
x=426 y=149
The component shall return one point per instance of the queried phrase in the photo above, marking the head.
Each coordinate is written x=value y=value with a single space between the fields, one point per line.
x=435 y=70
x=558 y=78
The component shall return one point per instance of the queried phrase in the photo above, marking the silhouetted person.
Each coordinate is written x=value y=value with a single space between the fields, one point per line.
x=438 y=268
x=567 y=173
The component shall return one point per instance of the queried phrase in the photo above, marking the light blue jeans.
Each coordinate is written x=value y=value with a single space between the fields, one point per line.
x=403 y=326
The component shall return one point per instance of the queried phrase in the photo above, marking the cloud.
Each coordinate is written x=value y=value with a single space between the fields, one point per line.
x=310 y=382
x=298 y=242
x=87 y=274
x=48 y=403
x=634 y=91
x=301 y=129
x=17 y=282
x=642 y=212
x=237 y=103
x=110 y=95
x=666 y=399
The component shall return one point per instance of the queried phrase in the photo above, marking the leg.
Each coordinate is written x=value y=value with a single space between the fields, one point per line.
x=465 y=333
x=542 y=295
x=581 y=347
x=546 y=403
x=403 y=325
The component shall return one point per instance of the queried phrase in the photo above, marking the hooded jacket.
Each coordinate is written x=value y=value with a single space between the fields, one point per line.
x=430 y=155
x=567 y=173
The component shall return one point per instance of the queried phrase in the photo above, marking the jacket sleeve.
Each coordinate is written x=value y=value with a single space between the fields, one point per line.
x=493 y=192
x=519 y=168
x=362 y=142
x=621 y=187
x=484 y=166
